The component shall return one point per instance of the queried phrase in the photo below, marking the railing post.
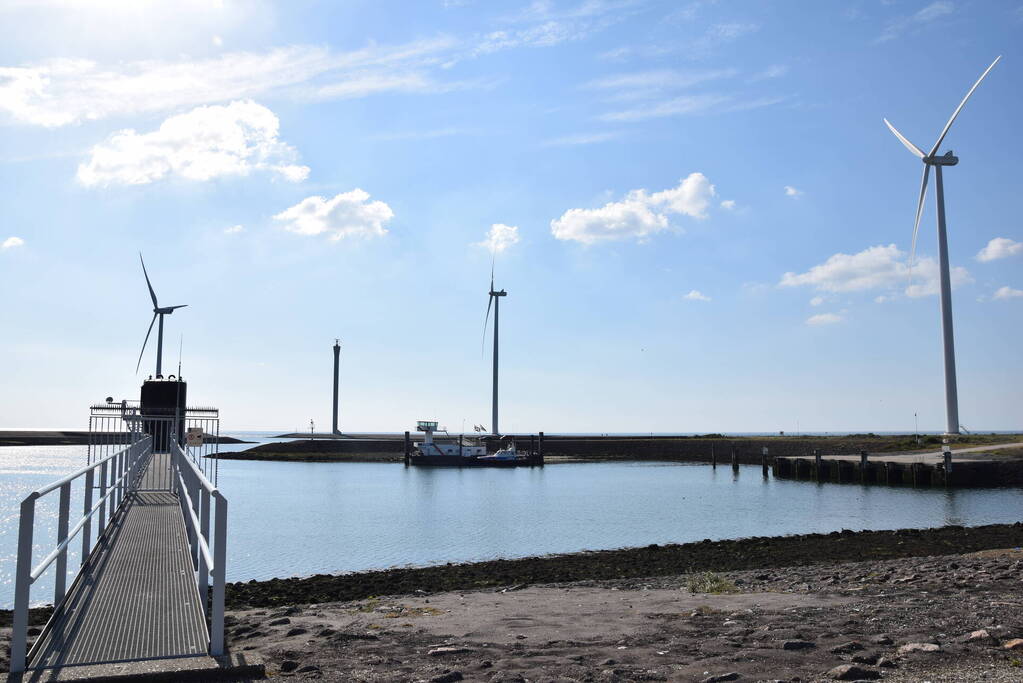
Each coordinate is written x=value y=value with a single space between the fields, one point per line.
x=204 y=571
x=122 y=462
x=22 y=584
x=196 y=487
x=86 y=509
x=103 y=506
x=219 y=567
x=64 y=510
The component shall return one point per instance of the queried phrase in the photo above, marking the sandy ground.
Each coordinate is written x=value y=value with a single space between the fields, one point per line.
x=782 y=624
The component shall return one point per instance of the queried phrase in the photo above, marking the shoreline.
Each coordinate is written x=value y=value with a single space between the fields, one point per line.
x=647 y=561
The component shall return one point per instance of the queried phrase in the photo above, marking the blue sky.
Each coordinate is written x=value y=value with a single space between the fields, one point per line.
x=699 y=216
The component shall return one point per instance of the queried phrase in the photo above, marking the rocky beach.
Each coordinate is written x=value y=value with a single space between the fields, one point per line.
x=940 y=604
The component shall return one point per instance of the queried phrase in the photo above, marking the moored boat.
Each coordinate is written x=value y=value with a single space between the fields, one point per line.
x=465 y=452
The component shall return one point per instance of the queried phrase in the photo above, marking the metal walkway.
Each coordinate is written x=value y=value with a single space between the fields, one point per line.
x=137 y=596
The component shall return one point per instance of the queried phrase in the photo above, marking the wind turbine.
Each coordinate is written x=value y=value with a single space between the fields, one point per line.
x=948 y=159
x=157 y=311
x=493 y=299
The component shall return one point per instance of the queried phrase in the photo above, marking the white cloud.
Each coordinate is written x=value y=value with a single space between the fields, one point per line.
x=882 y=299
x=217 y=41
x=542 y=24
x=899 y=25
x=205 y=143
x=349 y=214
x=234 y=230
x=59 y=92
x=500 y=237
x=1008 y=293
x=12 y=242
x=817 y=301
x=728 y=204
x=637 y=216
x=690 y=105
x=823 y=319
x=879 y=267
x=792 y=192
x=998 y=248
x=697 y=295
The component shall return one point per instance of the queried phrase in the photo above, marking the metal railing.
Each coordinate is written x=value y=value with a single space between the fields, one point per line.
x=118 y=475
x=196 y=495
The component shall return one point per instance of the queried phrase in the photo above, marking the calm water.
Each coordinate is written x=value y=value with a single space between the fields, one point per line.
x=291 y=519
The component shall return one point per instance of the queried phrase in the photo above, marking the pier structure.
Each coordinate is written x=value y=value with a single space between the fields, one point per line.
x=147 y=596
x=973 y=467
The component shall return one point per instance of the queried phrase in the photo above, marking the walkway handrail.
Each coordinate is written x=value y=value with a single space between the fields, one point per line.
x=118 y=476
x=196 y=495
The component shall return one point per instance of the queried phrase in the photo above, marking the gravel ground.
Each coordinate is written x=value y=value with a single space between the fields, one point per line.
x=939 y=618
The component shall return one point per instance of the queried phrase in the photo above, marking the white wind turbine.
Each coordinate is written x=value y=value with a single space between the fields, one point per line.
x=931 y=159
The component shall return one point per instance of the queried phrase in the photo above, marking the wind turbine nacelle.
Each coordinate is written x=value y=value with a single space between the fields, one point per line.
x=945 y=160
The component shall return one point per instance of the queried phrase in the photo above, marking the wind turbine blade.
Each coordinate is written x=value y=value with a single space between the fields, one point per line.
x=151 y=323
x=171 y=308
x=919 y=211
x=493 y=258
x=490 y=300
x=151 y=292
x=902 y=138
x=948 y=125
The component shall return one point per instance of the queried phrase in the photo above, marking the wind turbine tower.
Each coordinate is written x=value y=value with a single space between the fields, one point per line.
x=929 y=159
x=495 y=299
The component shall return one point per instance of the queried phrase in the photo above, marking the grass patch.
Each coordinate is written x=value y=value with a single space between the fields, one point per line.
x=709 y=582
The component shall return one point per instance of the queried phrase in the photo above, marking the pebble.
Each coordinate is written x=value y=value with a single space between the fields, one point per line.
x=288 y=665
x=846 y=648
x=1014 y=644
x=297 y=631
x=851 y=672
x=730 y=676
x=449 y=677
x=918 y=647
x=982 y=636
x=448 y=650
x=279 y=622
x=797 y=645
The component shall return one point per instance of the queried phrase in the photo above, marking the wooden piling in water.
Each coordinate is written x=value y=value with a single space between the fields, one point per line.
x=735 y=460
x=408 y=448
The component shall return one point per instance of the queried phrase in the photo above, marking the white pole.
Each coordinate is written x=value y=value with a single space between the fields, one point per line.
x=951 y=394
x=493 y=420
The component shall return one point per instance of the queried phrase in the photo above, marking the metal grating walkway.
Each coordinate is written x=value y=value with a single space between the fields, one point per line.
x=136 y=598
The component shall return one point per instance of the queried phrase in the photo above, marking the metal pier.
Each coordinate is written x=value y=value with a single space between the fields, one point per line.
x=149 y=595
x=136 y=597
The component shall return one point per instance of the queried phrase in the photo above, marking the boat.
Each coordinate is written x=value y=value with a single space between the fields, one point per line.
x=465 y=452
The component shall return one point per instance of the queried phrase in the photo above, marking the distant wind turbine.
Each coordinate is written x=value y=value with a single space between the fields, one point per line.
x=157 y=312
x=931 y=159
x=493 y=299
